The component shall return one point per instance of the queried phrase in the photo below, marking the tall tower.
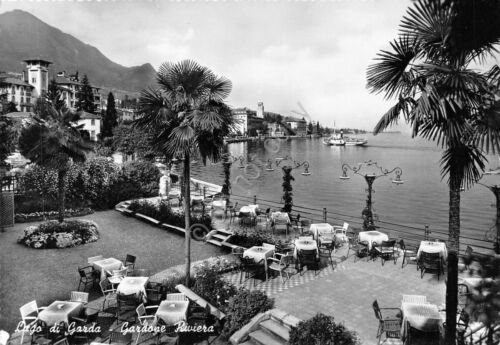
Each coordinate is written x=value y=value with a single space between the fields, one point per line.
x=38 y=75
x=260 y=110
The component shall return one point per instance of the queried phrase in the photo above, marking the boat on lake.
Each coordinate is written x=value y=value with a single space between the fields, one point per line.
x=351 y=141
x=335 y=140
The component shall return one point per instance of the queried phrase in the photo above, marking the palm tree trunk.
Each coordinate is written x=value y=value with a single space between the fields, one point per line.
x=61 y=194
x=453 y=248
x=187 y=215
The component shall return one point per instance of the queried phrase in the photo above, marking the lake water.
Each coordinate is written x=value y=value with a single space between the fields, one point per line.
x=422 y=199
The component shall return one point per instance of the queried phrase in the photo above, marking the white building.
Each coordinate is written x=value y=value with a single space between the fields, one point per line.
x=91 y=123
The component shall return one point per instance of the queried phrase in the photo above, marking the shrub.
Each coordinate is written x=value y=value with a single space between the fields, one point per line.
x=38 y=216
x=242 y=308
x=164 y=213
x=321 y=329
x=171 y=282
x=249 y=239
x=210 y=285
x=146 y=174
x=52 y=234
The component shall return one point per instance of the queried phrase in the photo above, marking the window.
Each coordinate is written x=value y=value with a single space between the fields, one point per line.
x=92 y=135
x=92 y=122
x=33 y=80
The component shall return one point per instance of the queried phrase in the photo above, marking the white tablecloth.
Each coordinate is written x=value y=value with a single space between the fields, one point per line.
x=172 y=312
x=373 y=236
x=219 y=204
x=281 y=217
x=258 y=253
x=433 y=247
x=250 y=209
x=108 y=264
x=60 y=311
x=133 y=285
x=305 y=245
x=422 y=316
x=317 y=228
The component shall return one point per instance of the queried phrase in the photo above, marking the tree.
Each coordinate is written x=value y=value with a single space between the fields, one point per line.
x=310 y=128
x=129 y=140
x=189 y=110
x=429 y=69
x=8 y=136
x=109 y=122
x=85 y=96
x=53 y=141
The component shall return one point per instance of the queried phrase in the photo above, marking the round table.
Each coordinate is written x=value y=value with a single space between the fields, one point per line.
x=373 y=236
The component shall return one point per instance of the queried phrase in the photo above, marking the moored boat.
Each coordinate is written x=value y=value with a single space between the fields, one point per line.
x=335 y=140
x=355 y=141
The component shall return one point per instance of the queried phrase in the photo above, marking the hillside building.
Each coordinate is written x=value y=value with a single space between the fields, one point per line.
x=23 y=89
x=299 y=126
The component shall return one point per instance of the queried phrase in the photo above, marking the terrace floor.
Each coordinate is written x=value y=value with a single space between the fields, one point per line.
x=345 y=292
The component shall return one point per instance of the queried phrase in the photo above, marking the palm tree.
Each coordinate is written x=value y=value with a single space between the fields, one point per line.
x=188 y=114
x=53 y=140
x=430 y=70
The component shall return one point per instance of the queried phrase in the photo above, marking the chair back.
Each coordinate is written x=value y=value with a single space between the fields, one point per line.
x=4 y=337
x=176 y=297
x=269 y=246
x=77 y=296
x=130 y=259
x=106 y=286
x=402 y=245
x=127 y=300
x=305 y=238
x=93 y=259
x=247 y=261
x=345 y=227
x=388 y=244
x=414 y=299
x=238 y=251
x=376 y=310
x=430 y=260
x=307 y=255
x=119 y=273
x=28 y=309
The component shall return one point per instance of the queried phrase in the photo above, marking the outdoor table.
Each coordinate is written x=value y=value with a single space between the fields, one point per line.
x=219 y=204
x=108 y=264
x=281 y=217
x=424 y=317
x=133 y=285
x=259 y=254
x=249 y=211
x=60 y=311
x=305 y=244
x=197 y=199
x=318 y=228
x=373 y=236
x=172 y=312
x=433 y=247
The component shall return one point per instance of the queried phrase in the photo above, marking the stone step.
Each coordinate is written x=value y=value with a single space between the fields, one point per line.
x=225 y=232
x=277 y=328
x=215 y=242
x=220 y=236
x=261 y=337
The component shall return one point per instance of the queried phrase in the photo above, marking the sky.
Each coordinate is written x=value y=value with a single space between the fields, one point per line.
x=278 y=52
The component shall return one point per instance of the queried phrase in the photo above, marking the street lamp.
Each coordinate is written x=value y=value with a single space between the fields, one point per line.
x=296 y=164
x=370 y=178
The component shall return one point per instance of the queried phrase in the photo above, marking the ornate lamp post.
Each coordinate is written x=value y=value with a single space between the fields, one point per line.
x=370 y=178
x=495 y=189
x=287 y=177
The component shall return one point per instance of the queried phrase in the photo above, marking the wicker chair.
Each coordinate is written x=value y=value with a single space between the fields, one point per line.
x=281 y=263
x=409 y=253
x=129 y=263
x=387 y=250
x=308 y=258
x=389 y=321
x=86 y=276
x=108 y=291
x=250 y=269
x=127 y=305
x=77 y=296
x=146 y=320
x=430 y=262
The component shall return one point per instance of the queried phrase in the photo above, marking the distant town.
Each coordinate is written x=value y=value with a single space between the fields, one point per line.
x=20 y=90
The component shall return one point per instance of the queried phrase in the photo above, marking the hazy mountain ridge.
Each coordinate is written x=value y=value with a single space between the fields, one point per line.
x=23 y=36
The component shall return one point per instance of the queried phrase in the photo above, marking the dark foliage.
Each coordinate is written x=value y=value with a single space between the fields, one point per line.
x=322 y=329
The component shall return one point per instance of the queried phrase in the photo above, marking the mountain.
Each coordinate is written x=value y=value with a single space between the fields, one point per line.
x=23 y=36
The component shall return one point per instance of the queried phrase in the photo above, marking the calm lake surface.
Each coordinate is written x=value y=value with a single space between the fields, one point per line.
x=422 y=199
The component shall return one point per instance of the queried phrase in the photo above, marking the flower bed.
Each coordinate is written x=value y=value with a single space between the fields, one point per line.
x=249 y=239
x=164 y=213
x=38 y=216
x=52 y=234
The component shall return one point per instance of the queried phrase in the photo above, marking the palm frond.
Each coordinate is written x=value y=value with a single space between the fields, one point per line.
x=463 y=164
x=180 y=140
x=219 y=88
x=391 y=117
x=155 y=109
x=390 y=73
x=429 y=24
x=487 y=133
